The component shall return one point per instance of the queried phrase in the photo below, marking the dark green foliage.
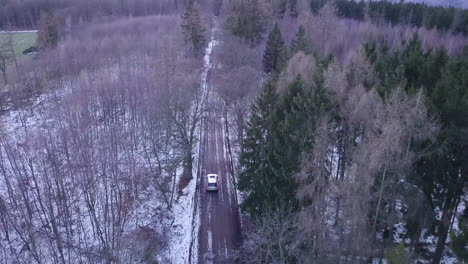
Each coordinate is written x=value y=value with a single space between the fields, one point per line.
x=445 y=172
x=414 y=14
x=275 y=52
x=293 y=8
x=411 y=68
x=294 y=121
x=300 y=42
x=253 y=145
x=442 y=174
x=450 y=96
x=217 y=5
x=48 y=35
x=192 y=28
x=282 y=59
x=397 y=255
x=459 y=243
x=284 y=147
x=283 y=6
x=273 y=147
x=316 y=5
x=247 y=21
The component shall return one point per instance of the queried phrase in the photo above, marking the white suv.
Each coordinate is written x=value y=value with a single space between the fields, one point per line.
x=212 y=182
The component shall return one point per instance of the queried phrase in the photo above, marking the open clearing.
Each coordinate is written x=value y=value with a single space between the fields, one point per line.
x=23 y=40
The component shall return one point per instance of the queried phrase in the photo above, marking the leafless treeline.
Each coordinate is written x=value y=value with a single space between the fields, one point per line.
x=237 y=78
x=88 y=171
x=26 y=14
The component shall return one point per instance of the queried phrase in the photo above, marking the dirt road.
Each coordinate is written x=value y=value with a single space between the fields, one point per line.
x=216 y=214
x=220 y=229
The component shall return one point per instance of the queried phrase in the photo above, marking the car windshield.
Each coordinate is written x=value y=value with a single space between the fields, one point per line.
x=212 y=184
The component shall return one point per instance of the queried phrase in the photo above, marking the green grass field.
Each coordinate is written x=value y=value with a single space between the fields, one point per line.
x=23 y=40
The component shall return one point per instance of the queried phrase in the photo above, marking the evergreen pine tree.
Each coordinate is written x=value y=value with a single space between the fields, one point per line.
x=446 y=169
x=444 y=80
x=397 y=255
x=293 y=8
x=48 y=35
x=247 y=21
x=450 y=99
x=252 y=156
x=283 y=58
x=459 y=241
x=316 y=5
x=274 y=52
x=413 y=58
x=300 y=42
x=192 y=28
x=217 y=5
x=293 y=123
x=282 y=151
x=282 y=8
x=391 y=81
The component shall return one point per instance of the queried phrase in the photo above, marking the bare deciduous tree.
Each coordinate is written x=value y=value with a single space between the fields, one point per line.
x=299 y=64
x=321 y=28
x=7 y=54
x=273 y=239
x=95 y=178
x=357 y=163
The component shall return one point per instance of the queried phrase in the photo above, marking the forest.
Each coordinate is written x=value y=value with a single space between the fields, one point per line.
x=414 y=14
x=339 y=130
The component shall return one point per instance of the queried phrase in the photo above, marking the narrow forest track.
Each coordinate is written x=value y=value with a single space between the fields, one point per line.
x=219 y=228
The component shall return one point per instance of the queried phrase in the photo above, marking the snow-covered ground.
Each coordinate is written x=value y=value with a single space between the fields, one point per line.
x=25 y=128
x=185 y=227
x=80 y=96
x=18 y=31
x=181 y=234
x=25 y=125
x=453 y=3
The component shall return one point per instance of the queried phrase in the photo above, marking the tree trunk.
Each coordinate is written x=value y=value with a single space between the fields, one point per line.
x=337 y=212
x=380 y=197
x=188 y=165
x=173 y=188
x=5 y=79
x=443 y=228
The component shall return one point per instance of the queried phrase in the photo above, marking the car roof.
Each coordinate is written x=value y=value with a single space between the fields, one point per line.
x=212 y=178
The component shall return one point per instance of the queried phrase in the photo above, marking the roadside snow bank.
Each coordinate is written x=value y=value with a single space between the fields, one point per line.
x=184 y=233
